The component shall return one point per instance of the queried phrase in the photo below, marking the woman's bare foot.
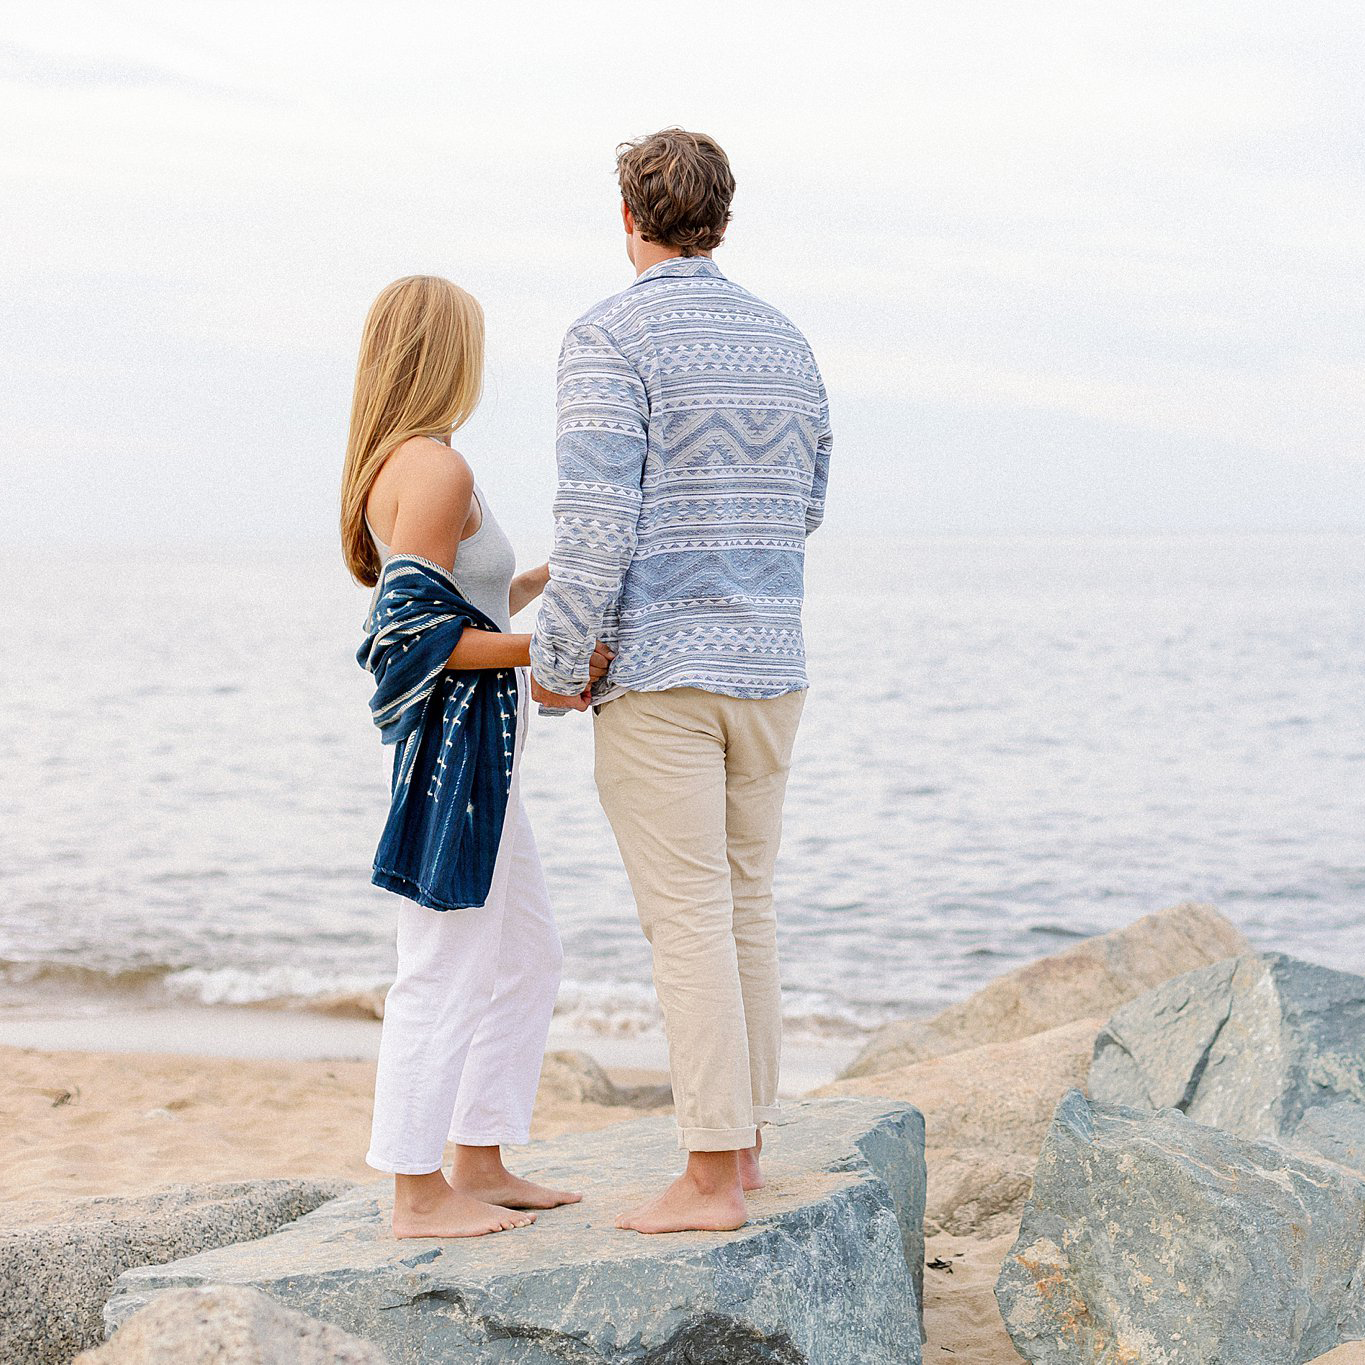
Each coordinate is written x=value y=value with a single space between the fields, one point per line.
x=750 y=1172
x=478 y=1172
x=707 y=1197
x=426 y=1206
x=514 y=1192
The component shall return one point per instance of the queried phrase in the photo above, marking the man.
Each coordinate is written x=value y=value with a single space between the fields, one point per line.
x=693 y=447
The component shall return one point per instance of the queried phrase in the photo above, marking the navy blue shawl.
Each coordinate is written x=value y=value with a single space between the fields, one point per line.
x=456 y=736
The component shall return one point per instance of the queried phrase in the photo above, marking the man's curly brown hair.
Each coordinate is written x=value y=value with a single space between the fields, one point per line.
x=678 y=187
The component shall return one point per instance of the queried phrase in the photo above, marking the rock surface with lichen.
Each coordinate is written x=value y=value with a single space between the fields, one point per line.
x=57 y=1270
x=1153 y=1240
x=827 y=1269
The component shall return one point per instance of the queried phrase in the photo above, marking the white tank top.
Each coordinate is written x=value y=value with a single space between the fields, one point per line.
x=484 y=565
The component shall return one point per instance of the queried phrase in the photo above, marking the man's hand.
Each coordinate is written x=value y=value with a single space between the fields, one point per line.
x=600 y=662
x=558 y=700
x=597 y=669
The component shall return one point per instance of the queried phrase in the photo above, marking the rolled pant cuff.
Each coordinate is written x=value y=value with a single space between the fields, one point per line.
x=716 y=1139
x=503 y=1139
x=380 y=1163
x=767 y=1113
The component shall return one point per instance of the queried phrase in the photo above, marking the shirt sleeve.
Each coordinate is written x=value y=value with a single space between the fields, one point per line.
x=824 y=443
x=600 y=445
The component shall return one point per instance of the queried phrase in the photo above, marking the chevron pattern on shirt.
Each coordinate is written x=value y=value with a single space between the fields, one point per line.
x=693 y=445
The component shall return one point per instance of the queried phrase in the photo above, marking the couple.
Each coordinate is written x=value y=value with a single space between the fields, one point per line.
x=693 y=444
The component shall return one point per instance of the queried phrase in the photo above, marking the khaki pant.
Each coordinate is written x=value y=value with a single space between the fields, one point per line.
x=692 y=783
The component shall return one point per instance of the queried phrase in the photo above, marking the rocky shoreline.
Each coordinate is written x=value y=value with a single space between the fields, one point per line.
x=1148 y=1149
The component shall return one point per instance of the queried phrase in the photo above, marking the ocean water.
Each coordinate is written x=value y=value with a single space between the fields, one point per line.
x=1009 y=744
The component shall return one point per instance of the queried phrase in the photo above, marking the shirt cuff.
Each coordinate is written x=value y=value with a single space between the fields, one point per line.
x=548 y=670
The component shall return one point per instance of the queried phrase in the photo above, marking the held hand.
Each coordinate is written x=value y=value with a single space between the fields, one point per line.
x=558 y=700
x=600 y=662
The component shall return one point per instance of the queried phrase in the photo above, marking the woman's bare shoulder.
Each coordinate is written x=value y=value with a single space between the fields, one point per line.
x=430 y=492
x=431 y=471
x=420 y=457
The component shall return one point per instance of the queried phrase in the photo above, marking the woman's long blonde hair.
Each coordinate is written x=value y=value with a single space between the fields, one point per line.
x=420 y=374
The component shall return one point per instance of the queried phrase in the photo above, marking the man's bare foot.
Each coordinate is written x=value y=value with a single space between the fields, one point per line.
x=707 y=1197
x=478 y=1173
x=750 y=1171
x=425 y=1206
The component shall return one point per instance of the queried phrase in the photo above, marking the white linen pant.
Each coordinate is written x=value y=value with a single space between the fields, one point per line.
x=466 y=1019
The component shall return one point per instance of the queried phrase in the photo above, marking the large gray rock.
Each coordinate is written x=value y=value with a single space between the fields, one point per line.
x=1154 y=1240
x=1262 y=1045
x=58 y=1266
x=826 y=1271
x=223 y=1325
x=1092 y=977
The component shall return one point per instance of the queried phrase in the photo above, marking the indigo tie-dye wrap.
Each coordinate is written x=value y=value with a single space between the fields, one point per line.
x=455 y=734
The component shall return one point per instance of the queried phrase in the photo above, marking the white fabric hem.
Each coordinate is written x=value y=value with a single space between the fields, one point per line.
x=379 y=1163
x=520 y=1139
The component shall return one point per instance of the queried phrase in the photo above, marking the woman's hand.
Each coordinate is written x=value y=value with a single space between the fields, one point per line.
x=600 y=662
x=526 y=587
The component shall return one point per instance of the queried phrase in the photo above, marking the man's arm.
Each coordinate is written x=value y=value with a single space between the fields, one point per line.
x=824 y=443
x=600 y=445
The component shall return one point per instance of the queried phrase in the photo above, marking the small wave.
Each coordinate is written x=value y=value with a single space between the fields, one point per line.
x=604 y=1009
x=166 y=983
x=292 y=988
x=1051 y=930
x=608 y=1009
x=614 y=1009
x=816 y=1018
x=47 y=976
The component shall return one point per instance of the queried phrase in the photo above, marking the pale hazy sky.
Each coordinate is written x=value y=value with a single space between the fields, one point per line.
x=1077 y=266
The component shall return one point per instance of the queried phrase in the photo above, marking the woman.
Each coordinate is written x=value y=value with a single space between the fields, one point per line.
x=466 y=1021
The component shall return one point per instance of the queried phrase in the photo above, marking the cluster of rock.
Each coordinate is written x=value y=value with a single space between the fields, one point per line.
x=826 y=1270
x=989 y=1071
x=226 y=1325
x=1207 y=1202
x=58 y=1267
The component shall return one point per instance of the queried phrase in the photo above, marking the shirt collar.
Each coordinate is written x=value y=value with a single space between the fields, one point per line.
x=681 y=266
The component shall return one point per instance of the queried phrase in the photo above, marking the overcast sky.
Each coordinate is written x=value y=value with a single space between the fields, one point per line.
x=1067 y=266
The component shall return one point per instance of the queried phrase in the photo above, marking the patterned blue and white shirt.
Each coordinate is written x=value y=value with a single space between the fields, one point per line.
x=693 y=447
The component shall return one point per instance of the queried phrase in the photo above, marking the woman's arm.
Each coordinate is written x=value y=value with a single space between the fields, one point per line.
x=490 y=649
x=526 y=587
x=495 y=649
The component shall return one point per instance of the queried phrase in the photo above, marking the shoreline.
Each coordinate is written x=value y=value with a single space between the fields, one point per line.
x=253 y=1033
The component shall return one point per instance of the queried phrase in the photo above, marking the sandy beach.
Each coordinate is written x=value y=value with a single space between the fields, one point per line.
x=81 y=1122
x=124 y=1122
x=986 y=1073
